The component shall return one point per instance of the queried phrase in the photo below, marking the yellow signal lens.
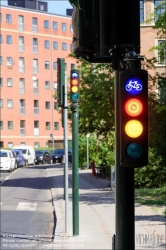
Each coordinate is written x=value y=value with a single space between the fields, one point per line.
x=133 y=128
x=74 y=89
x=74 y=82
x=133 y=107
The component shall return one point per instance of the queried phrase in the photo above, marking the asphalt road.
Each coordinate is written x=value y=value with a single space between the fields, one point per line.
x=27 y=212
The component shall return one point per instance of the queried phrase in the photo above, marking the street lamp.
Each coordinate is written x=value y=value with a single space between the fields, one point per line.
x=87 y=149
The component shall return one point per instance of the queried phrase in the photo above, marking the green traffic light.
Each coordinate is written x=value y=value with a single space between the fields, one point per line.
x=134 y=150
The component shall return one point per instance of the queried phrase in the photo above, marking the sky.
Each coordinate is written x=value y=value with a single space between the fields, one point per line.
x=54 y=6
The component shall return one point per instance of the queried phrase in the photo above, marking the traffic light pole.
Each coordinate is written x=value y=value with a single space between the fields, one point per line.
x=125 y=203
x=125 y=226
x=75 y=161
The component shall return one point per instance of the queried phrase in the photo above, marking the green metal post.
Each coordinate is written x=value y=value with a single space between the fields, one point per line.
x=75 y=162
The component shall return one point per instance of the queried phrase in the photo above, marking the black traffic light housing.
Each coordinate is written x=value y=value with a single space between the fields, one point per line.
x=133 y=117
x=74 y=85
x=101 y=24
x=60 y=81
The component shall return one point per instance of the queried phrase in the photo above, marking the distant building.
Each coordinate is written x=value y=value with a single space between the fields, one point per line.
x=30 y=42
x=29 y=4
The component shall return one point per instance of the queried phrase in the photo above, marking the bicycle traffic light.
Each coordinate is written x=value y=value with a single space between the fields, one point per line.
x=60 y=81
x=133 y=117
x=74 y=85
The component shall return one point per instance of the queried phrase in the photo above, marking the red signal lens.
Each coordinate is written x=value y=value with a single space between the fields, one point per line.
x=74 y=81
x=133 y=107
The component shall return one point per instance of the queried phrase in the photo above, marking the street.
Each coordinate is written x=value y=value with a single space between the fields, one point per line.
x=27 y=213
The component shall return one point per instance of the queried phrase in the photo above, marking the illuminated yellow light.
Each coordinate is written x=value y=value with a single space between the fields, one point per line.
x=133 y=128
x=74 y=89
x=74 y=82
x=133 y=107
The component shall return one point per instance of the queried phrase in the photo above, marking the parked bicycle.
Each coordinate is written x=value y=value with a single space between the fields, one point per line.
x=101 y=171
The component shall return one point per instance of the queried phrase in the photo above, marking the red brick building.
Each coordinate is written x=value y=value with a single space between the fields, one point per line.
x=30 y=43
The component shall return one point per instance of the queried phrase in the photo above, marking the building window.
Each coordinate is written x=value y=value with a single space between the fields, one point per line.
x=0 y=17
x=162 y=52
x=10 y=61
x=21 y=65
x=71 y=28
x=21 y=23
x=46 y=144
x=35 y=45
x=36 y=145
x=46 y=44
x=35 y=66
x=72 y=66
x=22 y=128
x=161 y=9
x=55 y=45
x=56 y=125
x=47 y=85
x=10 y=104
x=55 y=65
x=55 y=25
x=10 y=144
x=46 y=24
x=55 y=85
x=35 y=87
x=34 y=24
x=1 y=103
x=10 y=125
x=47 y=64
x=8 y=18
x=22 y=86
x=64 y=26
x=141 y=11
x=22 y=107
x=21 y=44
x=47 y=105
x=55 y=105
x=36 y=128
x=36 y=107
x=65 y=66
x=9 y=82
x=22 y=143
x=1 y=81
x=9 y=39
x=1 y=60
x=47 y=125
x=71 y=47
x=0 y=38
x=1 y=124
x=64 y=46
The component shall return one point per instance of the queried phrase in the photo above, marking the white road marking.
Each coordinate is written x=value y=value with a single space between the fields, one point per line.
x=25 y=206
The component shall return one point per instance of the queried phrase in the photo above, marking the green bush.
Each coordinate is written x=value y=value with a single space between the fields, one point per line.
x=153 y=175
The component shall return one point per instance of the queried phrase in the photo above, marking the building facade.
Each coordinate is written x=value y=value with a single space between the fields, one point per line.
x=30 y=42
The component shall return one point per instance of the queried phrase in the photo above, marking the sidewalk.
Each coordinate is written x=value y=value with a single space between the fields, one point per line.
x=97 y=215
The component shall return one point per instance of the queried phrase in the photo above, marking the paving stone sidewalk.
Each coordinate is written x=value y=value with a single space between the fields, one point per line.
x=97 y=216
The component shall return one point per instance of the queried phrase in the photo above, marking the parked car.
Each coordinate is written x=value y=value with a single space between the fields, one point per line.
x=20 y=160
x=58 y=154
x=15 y=157
x=43 y=156
x=6 y=162
x=28 y=152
